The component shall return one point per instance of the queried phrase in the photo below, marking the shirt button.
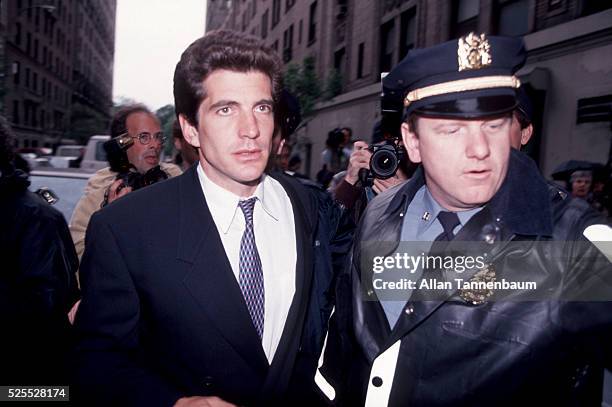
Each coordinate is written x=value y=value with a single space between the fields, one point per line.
x=377 y=381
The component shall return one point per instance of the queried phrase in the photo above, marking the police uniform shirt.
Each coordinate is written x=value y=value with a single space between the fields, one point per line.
x=421 y=224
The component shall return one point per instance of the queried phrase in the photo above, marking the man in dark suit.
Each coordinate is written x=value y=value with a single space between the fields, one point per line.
x=196 y=290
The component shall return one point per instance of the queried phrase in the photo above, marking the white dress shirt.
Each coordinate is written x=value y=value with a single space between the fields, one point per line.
x=275 y=239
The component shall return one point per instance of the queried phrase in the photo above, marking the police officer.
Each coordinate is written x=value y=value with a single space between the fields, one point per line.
x=445 y=342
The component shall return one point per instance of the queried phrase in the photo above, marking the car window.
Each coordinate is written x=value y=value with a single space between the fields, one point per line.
x=68 y=190
x=100 y=153
x=69 y=152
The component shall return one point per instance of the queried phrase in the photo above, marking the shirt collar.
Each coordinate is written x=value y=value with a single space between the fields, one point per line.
x=431 y=209
x=223 y=204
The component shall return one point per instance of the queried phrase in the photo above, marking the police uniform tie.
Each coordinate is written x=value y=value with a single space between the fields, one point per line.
x=449 y=221
x=250 y=270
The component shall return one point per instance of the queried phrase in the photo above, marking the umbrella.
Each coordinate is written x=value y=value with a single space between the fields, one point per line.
x=565 y=170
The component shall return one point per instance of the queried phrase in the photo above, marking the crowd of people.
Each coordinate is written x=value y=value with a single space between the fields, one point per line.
x=233 y=279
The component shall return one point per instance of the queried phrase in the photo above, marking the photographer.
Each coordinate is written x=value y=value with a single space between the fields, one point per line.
x=133 y=153
x=358 y=186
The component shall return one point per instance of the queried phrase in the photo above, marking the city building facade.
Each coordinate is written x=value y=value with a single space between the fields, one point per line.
x=568 y=73
x=57 y=69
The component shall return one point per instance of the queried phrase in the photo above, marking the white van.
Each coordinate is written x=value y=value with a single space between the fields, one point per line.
x=95 y=156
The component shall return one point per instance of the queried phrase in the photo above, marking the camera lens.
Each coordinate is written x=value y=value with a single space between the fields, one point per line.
x=384 y=162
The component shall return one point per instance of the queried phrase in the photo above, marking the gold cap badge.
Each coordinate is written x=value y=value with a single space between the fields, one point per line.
x=473 y=52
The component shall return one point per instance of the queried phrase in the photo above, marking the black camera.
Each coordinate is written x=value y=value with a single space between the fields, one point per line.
x=136 y=180
x=117 y=158
x=385 y=160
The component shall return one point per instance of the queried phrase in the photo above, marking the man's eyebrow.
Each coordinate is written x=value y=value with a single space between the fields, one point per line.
x=222 y=103
x=264 y=102
x=446 y=124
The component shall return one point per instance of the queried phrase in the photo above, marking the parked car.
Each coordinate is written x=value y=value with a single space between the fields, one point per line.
x=39 y=151
x=67 y=156
x=35 y=161
x=67 y=185
x=35 y=156
x=95 y=156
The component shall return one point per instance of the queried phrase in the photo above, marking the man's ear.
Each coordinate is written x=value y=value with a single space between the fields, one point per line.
x=190 y=132
x=526 y=134
x=411 y=142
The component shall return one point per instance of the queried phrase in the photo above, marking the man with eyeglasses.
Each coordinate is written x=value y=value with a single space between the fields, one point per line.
x=139 y=127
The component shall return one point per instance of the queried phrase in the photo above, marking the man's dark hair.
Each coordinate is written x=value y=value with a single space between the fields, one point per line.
x=522 y=118
x=176 y=130
x=118 y=123
x=220 y=49
x=349 y=131
x=6 y=144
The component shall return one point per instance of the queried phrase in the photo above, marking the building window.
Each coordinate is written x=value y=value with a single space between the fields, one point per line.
x=244 y=21
x=407 y=31
x=18 y=34
x=594 y=109
x=27 y=77
x=340 y=61
x=275 y=46
x=253 y=8
x=554 y=4
x=288 y=44
x=275 y=12
x=36 y=49
x=16 y=111
x=513 y=17
x=588 y=7
x=264 y=24
x=464 y=17
x=28 y=43
x=34 y=81
x=288 y=5
x=26 y=114
x=387 y=46
x=300 y=33
x=312 y=25
x=16 y=71
x=360 y=60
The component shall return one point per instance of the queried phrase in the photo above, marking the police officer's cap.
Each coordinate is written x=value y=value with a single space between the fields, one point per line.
x=466 y=78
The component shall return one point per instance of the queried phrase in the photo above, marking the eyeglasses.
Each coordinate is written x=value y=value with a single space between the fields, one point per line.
x=145 y=137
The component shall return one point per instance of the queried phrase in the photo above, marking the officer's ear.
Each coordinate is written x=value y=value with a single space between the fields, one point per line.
x=411 y=141
x=526 y=134
x=190 y=132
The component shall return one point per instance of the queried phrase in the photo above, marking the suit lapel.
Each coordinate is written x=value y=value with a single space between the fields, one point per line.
x=210 y=280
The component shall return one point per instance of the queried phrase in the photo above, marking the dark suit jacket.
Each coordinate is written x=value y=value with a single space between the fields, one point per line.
x=162 y=314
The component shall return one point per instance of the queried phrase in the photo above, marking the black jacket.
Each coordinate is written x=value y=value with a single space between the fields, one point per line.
x=37 y=286
x=162 y=316
x=515 y=348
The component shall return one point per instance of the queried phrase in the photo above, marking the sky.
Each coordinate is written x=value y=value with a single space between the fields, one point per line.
x=149 y=39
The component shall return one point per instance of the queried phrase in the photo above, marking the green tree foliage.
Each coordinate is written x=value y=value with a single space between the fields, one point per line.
x=333 y=87
x=303 y=83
